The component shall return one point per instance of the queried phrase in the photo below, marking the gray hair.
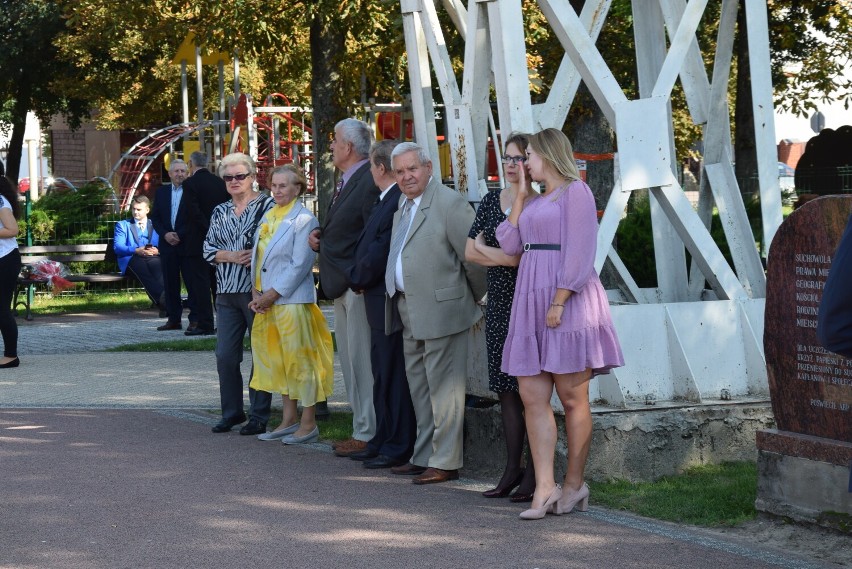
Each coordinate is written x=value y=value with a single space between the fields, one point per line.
x=380 y=153
x=358 y=133
x=404 y=147
x=198 y=159
x=236 y=159
x=175 y=162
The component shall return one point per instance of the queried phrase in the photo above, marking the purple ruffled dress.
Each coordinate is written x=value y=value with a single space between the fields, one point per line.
x=586 y=337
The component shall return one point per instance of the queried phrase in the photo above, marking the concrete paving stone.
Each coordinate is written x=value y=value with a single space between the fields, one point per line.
x=107 y=461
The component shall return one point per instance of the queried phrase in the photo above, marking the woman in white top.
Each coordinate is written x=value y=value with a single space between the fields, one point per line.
x=10 y=267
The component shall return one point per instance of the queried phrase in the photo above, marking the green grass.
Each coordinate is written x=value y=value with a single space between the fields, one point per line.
x=711 y=495
x=188 y=345
x=45 y=304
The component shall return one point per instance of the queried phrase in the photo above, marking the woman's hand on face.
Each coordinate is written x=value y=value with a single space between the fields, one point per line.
x=524 y=182
x=554 y=316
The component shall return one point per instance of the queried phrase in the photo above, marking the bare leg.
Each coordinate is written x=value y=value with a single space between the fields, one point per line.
x=541 y=428
x=573 y=391
x=308 y=423
x=290 y=414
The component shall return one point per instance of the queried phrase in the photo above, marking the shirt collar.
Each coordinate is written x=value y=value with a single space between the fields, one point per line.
x=352 y=169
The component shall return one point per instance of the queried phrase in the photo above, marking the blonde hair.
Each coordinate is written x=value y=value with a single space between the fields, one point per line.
x=235 y=159
x=555 y=149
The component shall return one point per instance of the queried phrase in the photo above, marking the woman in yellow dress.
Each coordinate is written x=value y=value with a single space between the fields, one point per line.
x=290 y=342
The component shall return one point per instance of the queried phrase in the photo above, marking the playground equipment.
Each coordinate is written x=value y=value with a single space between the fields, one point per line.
x=131 y=168
x=265 y=142
x=696 y=337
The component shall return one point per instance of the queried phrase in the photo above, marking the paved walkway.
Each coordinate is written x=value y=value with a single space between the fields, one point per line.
x=107 y=461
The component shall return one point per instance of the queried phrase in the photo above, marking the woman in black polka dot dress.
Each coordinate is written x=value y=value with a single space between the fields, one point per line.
x=483 y=248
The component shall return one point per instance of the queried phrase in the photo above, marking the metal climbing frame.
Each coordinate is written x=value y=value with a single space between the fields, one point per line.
x=130 y=169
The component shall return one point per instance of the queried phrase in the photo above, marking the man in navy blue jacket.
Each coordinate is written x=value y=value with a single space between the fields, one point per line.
x=396 y=428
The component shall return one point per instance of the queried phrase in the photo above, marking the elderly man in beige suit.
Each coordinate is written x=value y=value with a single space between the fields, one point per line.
x=432 y=295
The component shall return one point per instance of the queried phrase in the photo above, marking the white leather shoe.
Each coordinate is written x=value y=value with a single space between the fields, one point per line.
x=280 y=433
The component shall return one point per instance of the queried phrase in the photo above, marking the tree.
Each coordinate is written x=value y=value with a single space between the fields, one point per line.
x=32 y=71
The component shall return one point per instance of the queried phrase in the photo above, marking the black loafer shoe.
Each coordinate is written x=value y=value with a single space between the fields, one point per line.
x=383 y=461
x=365 y=454
x=253 y=427
x=226 y=425
x=321 y=412
x=199 y=332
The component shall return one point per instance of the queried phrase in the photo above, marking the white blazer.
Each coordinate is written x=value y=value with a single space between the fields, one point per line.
x=287 y=263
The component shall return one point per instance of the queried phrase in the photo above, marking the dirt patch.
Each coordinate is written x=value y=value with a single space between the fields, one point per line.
x=817 y=544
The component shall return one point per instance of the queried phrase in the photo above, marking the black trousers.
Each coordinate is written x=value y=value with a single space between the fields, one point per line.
x=10 y=267
x=396 y=427
x=196 y=276
x=149 y=271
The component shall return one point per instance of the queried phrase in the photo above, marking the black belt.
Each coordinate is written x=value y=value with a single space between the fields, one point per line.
x=542 y=246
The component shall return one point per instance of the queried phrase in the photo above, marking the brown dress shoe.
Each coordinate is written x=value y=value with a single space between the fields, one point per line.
x=169 y=326
x=436 y=475
x=408 y=469
x=349 y=448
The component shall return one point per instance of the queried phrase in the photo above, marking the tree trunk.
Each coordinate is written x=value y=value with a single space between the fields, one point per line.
x=745 y=152
x=327 y=49
x=592 y=134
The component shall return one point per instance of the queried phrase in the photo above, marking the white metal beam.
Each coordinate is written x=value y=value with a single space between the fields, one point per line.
x=579 y=45
x=422 y=106
x=764 y=118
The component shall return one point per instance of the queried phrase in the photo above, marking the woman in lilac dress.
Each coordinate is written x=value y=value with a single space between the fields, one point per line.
x=560 y=331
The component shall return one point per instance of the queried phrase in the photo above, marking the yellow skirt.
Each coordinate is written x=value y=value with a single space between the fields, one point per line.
x=292 y=353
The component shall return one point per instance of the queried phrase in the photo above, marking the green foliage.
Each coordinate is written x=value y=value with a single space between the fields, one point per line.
x=41 y=222
x=28 y=29
x=635 y=243
x=73 y=216
x=711 y=495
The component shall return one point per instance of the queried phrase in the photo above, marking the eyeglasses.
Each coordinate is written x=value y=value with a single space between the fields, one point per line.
x=514 y=159
x=239 y=177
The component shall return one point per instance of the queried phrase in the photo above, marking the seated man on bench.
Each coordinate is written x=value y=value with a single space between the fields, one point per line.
x=135 y=246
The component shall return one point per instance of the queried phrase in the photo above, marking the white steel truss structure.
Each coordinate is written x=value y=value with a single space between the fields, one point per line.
x=685 y=327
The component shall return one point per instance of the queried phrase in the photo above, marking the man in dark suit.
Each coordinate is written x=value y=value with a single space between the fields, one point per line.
x=208 y=190
x=335 y=241
x=178 y=220
x=395 y=425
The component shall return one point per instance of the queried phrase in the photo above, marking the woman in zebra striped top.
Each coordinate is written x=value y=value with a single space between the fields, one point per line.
x=228 y=246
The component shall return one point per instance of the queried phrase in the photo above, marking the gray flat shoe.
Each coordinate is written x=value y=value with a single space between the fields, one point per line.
x=280 y=433
x=309 y=438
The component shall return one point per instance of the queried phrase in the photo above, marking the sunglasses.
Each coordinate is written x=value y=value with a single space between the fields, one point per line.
x=238 y=177
x=514 y=159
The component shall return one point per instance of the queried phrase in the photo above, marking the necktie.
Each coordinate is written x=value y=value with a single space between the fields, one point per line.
x=337 y=189
x=396 y=247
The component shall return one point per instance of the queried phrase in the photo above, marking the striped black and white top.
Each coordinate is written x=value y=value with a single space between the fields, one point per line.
x=231 y=233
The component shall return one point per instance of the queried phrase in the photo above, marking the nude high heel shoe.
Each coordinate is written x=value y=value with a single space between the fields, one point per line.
x=571 y=499
x=538 y=513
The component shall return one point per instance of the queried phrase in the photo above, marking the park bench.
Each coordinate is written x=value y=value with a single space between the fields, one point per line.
x=64 y=254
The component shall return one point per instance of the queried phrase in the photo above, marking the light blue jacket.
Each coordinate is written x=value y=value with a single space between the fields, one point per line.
x=288 y=261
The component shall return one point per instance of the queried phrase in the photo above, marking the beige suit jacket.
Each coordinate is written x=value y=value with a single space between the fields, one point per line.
x=441 y=289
